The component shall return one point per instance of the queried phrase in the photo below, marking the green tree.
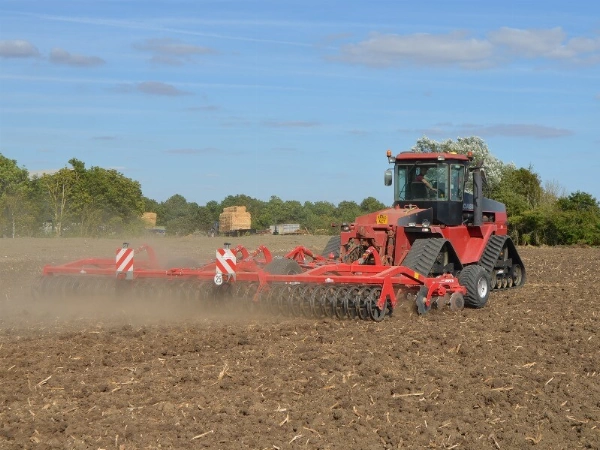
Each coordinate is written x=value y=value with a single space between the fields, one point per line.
x=209 y=215
x=371 y=204
x=347 y=211
x=320 y=216
x=579 y=201
x=473 y=144
x=204 y=219
x=58 y=188
x=519 y=189
x=102 y=201
x=293 y=212
x=18 y=212
x=572 y=220
x=150 y=205
x=253 y=206
x=574 y=228
x=115 y=201
x=179 y=216
x=92 y=202
x=271 y=213
x=551 y=192
x=577 y=220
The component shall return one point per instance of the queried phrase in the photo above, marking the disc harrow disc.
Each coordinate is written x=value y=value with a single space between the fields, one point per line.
x=311 y=300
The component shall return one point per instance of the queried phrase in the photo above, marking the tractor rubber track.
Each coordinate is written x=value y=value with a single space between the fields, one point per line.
x=502 y=276
x=423 y=254
x=492 y=252
x=332 y=247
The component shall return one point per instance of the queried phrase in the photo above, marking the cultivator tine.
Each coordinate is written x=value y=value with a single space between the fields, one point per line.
x=422 y=305
x=63 y=287
x=338 y=304
x=317 y=301
x=311 y=300
x=351 y=302
x=40 y=287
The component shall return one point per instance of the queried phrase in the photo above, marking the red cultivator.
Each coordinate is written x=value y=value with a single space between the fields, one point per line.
x=438 y=242
x=299 y=284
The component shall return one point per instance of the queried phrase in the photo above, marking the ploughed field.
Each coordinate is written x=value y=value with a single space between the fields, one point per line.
x=523 y=372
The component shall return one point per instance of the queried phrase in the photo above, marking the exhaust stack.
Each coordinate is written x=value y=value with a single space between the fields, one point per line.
x=477 y=197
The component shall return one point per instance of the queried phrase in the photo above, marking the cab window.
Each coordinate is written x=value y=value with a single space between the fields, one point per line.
x=422 y=182
x=457 y=182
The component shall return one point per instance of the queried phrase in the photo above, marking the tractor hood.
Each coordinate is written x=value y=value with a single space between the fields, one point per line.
x=396 y=216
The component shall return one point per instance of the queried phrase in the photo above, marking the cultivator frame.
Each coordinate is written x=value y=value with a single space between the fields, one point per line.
x=301 y=283
x=444 y=247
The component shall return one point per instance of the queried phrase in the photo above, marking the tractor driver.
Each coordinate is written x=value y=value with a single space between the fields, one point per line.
x=421 y=178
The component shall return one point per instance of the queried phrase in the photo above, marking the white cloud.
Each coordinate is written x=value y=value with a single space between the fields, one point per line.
x=152 y=88
x=158 y=88
x=525 y=130
x=458 y=49
x=517 y=130
x=168 y=46
x=170 y=51
x=291 y=124
x=60 y=56
x=528 y=43
x=420 y=49
x=544 y=43
x=18 y=49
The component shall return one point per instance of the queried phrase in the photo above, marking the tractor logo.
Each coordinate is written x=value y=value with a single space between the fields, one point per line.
x=382 y=219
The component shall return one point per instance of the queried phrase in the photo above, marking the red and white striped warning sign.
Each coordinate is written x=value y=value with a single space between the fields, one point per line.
x=124 y=262
x=225 y=265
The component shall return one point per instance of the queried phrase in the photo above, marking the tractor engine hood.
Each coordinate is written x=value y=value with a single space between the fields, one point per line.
x=396 y=216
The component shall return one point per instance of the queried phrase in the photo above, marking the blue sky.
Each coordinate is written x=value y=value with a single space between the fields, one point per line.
x=298 y=99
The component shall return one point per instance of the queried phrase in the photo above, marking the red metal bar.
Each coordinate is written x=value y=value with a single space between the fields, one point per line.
x=250 y=268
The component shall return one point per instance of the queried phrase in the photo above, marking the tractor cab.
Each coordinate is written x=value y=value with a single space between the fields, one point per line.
x=433 y=181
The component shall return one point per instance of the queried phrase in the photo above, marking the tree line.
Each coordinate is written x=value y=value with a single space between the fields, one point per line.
x=97 y=202
x=538 y=213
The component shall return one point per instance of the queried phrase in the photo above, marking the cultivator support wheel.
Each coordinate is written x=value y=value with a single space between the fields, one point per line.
x=456 y=302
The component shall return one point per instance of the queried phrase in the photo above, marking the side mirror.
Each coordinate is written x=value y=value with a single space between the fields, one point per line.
x=387 y=177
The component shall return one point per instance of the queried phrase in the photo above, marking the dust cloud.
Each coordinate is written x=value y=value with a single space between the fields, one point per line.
x=22 y=262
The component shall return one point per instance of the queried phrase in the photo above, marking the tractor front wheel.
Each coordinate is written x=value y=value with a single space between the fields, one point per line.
x=477 y=281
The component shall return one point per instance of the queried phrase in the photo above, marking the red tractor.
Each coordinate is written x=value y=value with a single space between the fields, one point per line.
x=435 y=227
x=436 y=243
